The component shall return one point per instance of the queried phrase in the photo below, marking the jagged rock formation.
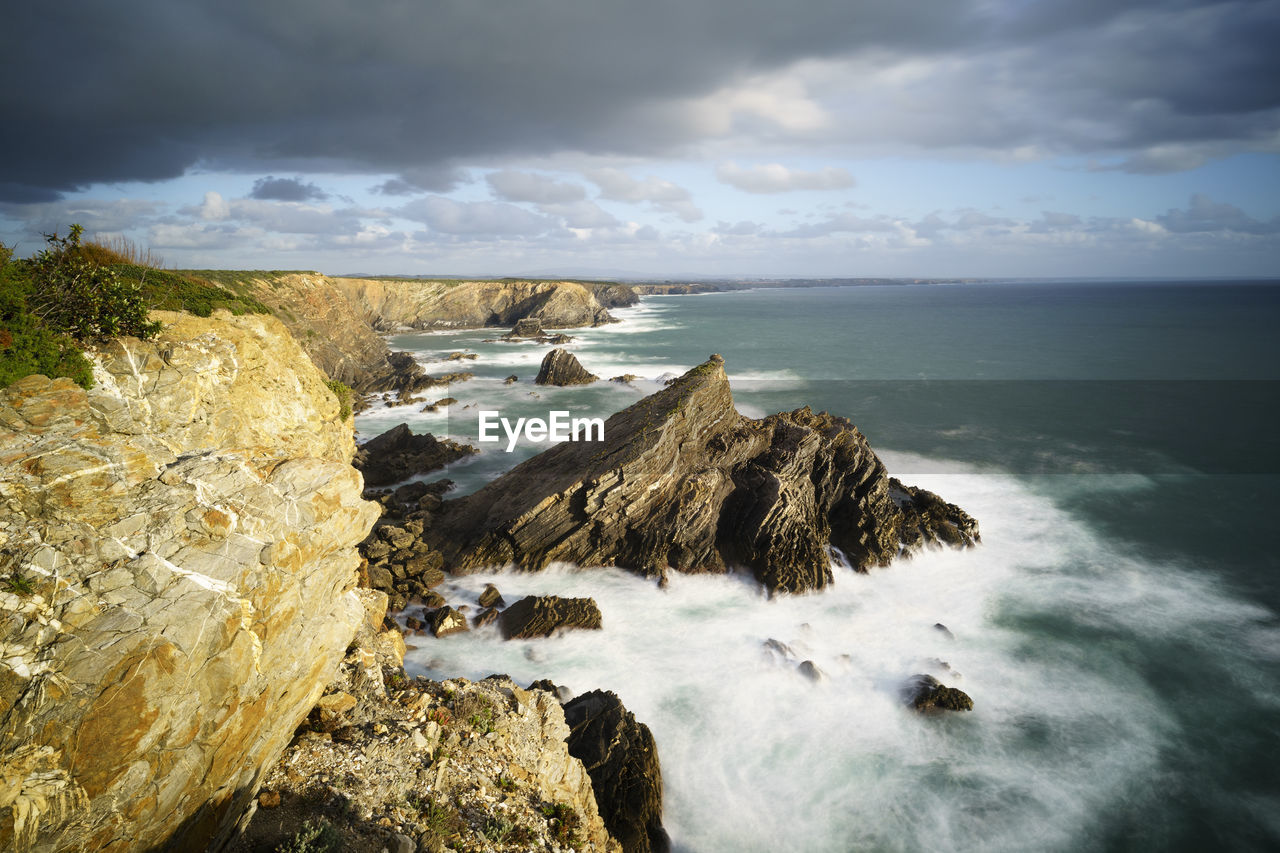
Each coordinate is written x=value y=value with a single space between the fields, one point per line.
x=561 y=367
x=399 y=454
x=528 y=327
x=389 y=763
x=682 y=481
x=542 y=616
x=927 y=695
x=622 y=758
x=177 y=547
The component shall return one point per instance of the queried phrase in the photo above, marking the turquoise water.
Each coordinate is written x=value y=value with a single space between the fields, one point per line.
x=1117 y=628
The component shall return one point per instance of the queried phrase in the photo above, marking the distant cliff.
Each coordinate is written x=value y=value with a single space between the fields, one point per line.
x=340 y=321
x=176 y=570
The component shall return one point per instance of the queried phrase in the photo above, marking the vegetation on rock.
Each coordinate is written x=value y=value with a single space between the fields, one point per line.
x=73 y=294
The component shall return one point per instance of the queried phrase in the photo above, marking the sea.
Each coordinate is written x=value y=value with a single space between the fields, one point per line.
x=1117 y=627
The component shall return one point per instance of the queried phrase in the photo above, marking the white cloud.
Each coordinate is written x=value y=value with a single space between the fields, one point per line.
x=512 y=185
x=776 y=178
x=617 y=185
x=474 y=218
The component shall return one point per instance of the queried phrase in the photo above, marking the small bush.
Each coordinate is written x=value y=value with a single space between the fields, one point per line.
x=344 y=394
x=72 y=295
x=565 y=825
x=313 y=837
x=18 y=584
x=28 y=346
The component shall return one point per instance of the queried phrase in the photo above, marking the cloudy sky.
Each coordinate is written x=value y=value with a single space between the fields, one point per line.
x=652 y=137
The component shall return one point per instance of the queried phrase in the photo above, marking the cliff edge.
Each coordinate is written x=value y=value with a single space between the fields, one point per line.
x=177 y=557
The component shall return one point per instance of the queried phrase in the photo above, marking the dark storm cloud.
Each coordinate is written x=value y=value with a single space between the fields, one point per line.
x=272 y=188
x=143 y=90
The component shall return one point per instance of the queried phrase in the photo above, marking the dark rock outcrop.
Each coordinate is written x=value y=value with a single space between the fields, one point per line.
x=398 y=454
x=529 y=327
x=622 y=759
x=684 y=482
x=927 y=695
x=542 y=616
x=561 y=367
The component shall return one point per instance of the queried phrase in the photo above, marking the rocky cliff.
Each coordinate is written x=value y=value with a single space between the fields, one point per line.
x=339 y=321
x=176 y=569
x=684 y=482
x=428 y=304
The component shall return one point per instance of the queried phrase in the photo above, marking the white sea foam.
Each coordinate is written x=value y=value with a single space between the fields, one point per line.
x=758 y=758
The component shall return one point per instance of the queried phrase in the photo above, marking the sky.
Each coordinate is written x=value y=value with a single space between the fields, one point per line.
x=652 y=138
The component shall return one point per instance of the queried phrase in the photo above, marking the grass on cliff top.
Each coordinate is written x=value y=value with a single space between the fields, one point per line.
x=73 y=294
x=181 y=291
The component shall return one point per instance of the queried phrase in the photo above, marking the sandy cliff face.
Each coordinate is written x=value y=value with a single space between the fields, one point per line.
x=178 y=544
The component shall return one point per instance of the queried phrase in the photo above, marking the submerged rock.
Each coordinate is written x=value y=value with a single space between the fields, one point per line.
x=684 y=482
x=621 y=757
x=561 y=367
x=398 y=454
x=541 y=616
x=926 y=694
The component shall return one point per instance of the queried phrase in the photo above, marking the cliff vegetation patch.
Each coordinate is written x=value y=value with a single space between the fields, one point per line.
x=74 y=294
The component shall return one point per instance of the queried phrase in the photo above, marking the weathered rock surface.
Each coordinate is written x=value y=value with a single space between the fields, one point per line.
x=926 y=694
x=561 y=367
x=185 y=534
x=622 y=758
x=542 y=616
x=455 y=765
x=684 y=482
x=399 y=454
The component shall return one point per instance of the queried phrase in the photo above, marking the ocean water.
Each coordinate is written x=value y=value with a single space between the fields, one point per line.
x=1117 y=628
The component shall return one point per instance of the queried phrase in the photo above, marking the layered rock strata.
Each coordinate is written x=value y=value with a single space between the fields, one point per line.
x=177 y=550
x=561 y=367
x=684 y=482
x=620 y=754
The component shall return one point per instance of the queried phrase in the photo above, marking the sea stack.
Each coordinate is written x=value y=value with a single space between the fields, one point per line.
x=560 y=367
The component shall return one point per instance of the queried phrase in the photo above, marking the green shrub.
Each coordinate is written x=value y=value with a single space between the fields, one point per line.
x=72 y=295
x=344 y=394
x=313 y=837
x=28 y=346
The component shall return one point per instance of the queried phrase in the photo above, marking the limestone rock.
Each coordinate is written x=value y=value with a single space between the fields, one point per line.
x=926 y=694
x=542 y=616
x=398 y=454
x=684 y=482
x=561 y=367
x=620 y=755
x=188 y=526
